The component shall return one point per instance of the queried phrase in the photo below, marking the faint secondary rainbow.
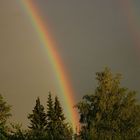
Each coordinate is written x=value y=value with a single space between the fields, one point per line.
x=52 y=54
x=128 y=8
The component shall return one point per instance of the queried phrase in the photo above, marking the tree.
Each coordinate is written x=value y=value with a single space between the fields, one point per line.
x=4 y=111
x=50 y=116
x=16 y=133
x=58 y=118
x=4 y=115
x=56 y=127
x=38 y=121
x=111 y=113
x=61 y=127
x=59 y=115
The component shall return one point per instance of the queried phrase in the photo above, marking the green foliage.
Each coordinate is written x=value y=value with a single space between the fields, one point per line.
x=43 y=126
x=111 y=113
x=4 y=115
x=56 y=127
x=50 y=125
x=16 y=133
x=59 y=121
x=58 y=112
x=4 y=111
x=3 y=134
x=38 y=120
x=50 y=116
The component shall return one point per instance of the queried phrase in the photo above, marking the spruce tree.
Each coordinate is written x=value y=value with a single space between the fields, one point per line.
x=50 y=116
x=4 y=115
x=4 y=111
x=61 y=127
x=59 y=115
x=38 y=120
x=56 y=127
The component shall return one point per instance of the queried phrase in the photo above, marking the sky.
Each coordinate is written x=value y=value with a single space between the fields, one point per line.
x=90 y=35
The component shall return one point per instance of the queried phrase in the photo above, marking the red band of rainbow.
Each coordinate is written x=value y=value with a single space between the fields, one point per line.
x=58 y=67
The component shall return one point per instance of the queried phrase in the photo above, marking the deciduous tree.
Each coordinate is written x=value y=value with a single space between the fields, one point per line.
x=111 y=112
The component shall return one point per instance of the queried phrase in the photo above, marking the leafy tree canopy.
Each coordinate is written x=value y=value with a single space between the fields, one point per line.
x=4 y=115
x=111 y=112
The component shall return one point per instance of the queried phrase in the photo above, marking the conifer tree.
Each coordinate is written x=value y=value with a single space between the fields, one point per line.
x=4 y=111
x=59 y=115
x=111 y=113
x=61 y=127
x=4 y=115
x=50 y=116
x=38 y=120
x=56 y=127
x=16 y=133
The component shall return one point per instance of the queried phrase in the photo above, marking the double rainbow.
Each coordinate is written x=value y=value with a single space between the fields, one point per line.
x=59 y=69
x=67 y=93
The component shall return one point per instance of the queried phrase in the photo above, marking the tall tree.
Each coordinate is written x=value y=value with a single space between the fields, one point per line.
x=59 y=115
x=38 y=120
x=56 y=126
x=50 y=116
x=61 y=127
x=4 y=115
x=111 y=113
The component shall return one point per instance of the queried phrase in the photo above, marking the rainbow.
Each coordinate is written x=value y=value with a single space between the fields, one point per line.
x=129 y=11
x=67 y=93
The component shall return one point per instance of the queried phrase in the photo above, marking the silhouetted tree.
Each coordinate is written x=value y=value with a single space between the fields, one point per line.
x=111 y=113
x=38 y=121
x=57 y=128
x=4 y=111
x=4 y=115
x=50 y=116
x=59 y=115
x=62 y=130
x=16 y=133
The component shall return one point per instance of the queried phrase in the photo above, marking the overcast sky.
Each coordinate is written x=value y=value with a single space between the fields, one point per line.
x=90 y=35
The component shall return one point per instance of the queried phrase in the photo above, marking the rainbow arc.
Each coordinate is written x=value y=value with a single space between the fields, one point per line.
x=67 y=92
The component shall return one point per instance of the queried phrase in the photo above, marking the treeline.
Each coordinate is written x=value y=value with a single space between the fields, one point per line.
x=110 y=112
x=49 y=125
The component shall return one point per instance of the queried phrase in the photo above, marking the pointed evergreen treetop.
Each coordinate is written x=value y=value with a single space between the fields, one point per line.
x=50 y=108
x=56 y=126
x=59 y=115
x=38 y=117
